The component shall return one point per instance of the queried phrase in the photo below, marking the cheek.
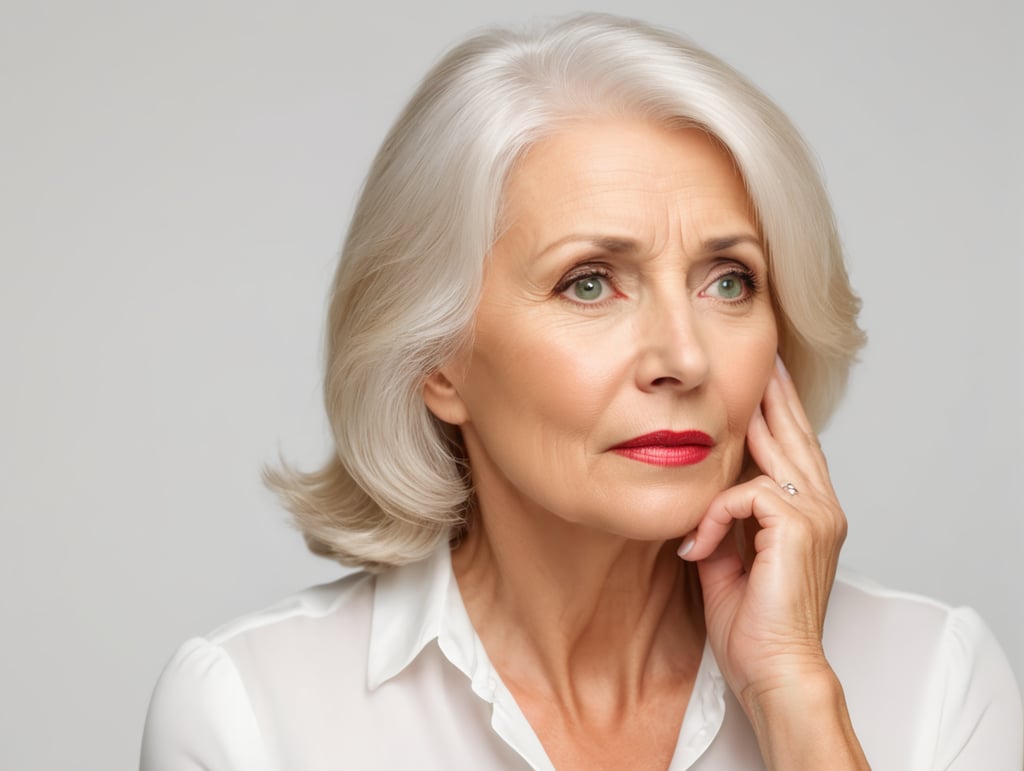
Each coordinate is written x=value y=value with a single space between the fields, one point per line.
x=741 y=389
x=745 y=376
x=564 y=373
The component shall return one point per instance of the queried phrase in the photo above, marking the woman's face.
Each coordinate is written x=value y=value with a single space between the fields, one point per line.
x=624 y=336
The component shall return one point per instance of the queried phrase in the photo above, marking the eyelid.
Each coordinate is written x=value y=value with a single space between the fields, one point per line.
x=725 y=265
x=732 y=262
x=580 y=272
x=733 y=267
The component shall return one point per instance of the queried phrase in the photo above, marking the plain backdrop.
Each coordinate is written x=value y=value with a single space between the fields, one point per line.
x=175 y=182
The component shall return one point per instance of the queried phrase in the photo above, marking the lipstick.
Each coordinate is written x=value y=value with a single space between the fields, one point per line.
x=667 y=448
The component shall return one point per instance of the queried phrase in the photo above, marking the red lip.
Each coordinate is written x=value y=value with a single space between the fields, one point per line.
x=668 y=439
x=667 y=448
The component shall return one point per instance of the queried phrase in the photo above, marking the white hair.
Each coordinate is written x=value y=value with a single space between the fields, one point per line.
x=411 y=268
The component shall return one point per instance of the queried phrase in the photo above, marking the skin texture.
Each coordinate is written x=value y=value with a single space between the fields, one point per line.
x=628 y=294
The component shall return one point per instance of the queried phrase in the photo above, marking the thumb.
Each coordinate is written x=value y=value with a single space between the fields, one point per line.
x=722 y=569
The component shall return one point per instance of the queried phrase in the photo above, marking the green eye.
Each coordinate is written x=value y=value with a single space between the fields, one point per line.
x=588 y=289
x=729 y=287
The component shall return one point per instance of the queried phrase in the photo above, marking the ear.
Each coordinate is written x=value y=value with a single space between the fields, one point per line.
x=442 y=398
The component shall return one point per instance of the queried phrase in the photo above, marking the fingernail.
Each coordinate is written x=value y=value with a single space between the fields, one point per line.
x=686 y=545
x=783 y=372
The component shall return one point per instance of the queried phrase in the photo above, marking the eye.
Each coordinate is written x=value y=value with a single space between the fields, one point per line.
x=728 y=287
x=733 y=286
x=589 y=288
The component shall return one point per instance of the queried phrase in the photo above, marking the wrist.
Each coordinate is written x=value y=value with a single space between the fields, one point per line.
x=801 y=721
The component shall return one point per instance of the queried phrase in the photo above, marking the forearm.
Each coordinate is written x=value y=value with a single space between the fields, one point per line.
x=805 y=725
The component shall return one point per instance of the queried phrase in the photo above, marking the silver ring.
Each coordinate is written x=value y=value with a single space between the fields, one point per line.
x=790 y=488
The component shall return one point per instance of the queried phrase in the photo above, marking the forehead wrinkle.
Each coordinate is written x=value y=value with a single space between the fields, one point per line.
x=609 y=227
x=705 y=219
x=627 y=196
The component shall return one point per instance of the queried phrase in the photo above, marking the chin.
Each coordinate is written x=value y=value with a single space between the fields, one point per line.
x=647 y=517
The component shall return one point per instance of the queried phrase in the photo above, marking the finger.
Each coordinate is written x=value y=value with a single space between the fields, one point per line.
x=780 y=460
x=790 y=447
x=760 y=498
x=782 y=411
x=788 y=421
x=796 y=406
x=763 y=447
x=720 y=570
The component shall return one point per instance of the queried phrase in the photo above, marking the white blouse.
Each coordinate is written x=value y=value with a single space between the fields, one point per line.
x=387 y=672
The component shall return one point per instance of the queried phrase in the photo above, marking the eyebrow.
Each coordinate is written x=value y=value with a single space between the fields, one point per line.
x=615 y=245
x=722 y=244
x=605 y=243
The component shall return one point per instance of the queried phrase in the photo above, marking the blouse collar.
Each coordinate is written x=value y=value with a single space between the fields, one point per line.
x=418 y=603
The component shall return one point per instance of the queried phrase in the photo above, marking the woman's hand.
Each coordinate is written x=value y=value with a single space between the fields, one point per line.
x=765 y=623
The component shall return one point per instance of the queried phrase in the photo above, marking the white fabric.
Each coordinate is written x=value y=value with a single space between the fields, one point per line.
x=388 y=673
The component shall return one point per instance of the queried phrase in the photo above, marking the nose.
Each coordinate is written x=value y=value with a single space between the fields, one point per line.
x=672 y=353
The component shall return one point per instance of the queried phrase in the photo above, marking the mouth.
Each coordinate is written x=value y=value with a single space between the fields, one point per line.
x=667 y=448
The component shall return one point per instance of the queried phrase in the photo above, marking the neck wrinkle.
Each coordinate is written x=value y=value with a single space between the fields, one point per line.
x=570 y=614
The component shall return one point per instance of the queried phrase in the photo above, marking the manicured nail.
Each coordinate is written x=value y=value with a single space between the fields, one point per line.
x=686 y=545
x=783 y=372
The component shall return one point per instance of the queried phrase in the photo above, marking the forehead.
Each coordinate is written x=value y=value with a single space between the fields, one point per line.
x=626 y=173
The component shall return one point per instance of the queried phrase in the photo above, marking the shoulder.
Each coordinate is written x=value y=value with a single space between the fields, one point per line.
x=902 y=628
x=880 y=615
x=338 y=612
x=934 y=670
x=211 y=699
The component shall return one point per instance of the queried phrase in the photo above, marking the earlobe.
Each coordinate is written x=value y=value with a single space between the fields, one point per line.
x=443 y=399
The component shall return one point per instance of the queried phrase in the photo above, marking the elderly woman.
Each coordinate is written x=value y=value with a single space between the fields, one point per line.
x=590 y=312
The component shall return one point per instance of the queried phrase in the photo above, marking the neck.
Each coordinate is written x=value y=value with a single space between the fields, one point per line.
x=578 y=616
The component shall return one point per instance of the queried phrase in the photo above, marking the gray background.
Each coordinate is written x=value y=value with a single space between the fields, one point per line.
x=176 y=179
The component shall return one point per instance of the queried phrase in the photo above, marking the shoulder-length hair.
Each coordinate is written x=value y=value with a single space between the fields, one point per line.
x=411 y=268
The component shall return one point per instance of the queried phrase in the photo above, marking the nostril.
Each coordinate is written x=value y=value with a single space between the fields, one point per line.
x=672 y=381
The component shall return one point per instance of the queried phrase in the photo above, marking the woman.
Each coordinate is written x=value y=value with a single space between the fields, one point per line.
x=597 y=526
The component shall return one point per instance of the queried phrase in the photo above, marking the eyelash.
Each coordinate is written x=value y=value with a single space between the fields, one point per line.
x=585 y=272
x=748 y=277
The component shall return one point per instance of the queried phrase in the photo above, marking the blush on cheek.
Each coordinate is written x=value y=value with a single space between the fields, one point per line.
x=582 y=371
x=742 y=397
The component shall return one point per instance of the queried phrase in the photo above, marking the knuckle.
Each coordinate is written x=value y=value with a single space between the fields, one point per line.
x=800 y=530
x=842 y=526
